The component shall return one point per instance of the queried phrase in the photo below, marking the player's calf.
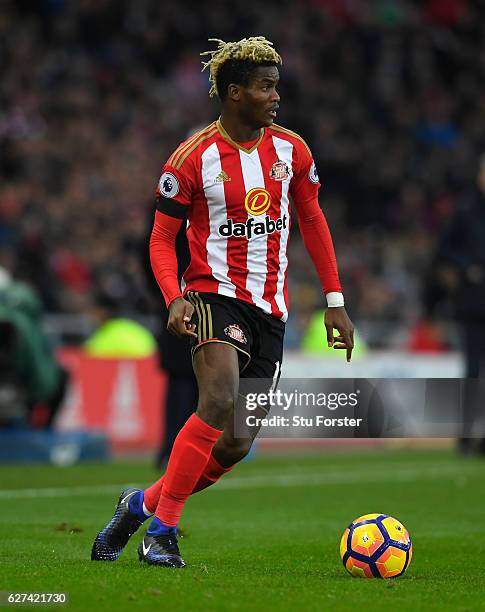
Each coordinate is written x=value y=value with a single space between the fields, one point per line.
x=228 y=450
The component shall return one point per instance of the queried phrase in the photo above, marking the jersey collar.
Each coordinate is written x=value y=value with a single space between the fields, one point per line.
x=232 y=142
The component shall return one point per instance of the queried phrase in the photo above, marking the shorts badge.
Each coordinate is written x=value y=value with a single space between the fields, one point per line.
x=236 y=333
x=280 y=171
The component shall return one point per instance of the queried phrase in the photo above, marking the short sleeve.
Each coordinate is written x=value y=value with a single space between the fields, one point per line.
x=175 y=189
x=305 y=182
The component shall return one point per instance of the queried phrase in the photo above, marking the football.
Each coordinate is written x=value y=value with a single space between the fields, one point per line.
x=376 y=546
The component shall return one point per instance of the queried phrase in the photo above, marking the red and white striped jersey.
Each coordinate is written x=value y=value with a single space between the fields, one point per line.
x=238 y=211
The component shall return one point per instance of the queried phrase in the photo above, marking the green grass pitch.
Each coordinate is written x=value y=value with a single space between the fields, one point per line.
x=264 y=538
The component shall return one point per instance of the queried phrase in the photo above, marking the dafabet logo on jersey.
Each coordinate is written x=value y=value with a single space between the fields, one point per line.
x=257 y=201
x=252 y=228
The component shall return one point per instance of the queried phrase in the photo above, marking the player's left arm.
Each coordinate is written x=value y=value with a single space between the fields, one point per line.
x=318 y=242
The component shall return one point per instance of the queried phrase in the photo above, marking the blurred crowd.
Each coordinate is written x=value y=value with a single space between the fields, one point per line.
x=95 y=94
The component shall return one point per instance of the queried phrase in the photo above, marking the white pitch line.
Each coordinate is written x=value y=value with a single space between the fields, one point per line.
x=61 y=492
x=341 y=478
x=263 y=481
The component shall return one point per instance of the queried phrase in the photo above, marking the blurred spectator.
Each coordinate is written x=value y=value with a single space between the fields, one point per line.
x=427 y=336
x=461 y=268
x=30 y=377
x=460 y=265
x=116 y=336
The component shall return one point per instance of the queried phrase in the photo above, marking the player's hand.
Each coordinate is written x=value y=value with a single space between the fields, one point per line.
x=337 y=318
x=179 y=316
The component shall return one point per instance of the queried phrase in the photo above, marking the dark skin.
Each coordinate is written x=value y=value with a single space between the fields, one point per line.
x=245 y=110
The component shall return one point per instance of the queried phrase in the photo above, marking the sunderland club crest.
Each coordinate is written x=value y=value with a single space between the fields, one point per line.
x=280 y=171
x=236 y=333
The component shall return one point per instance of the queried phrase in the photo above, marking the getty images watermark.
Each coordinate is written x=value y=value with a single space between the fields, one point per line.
x=361 y=408
x=290 y=401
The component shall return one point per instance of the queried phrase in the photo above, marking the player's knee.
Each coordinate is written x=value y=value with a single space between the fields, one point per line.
x=215 y=406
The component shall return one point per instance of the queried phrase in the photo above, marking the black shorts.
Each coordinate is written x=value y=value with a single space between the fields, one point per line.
x=257 y=336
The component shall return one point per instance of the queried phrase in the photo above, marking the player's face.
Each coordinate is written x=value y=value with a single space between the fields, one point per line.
x=259 y=99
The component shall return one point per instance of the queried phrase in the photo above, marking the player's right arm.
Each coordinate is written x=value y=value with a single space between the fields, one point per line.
x=174 y=195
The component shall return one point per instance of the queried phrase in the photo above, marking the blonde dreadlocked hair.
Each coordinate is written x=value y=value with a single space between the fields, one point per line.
x=255 y=49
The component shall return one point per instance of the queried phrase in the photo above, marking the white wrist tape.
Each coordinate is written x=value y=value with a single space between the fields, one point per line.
x=334 y=299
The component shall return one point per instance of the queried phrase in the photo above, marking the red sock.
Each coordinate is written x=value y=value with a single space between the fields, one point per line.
x=211 y=474
x=152 y=495
x=189 y=456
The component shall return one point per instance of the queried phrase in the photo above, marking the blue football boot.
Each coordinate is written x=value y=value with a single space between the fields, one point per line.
x=128 y=517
